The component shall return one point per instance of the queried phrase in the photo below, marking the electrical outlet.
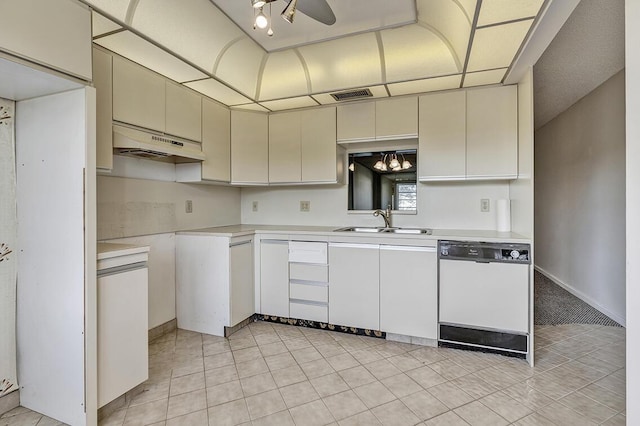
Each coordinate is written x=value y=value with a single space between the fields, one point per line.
x=254 y=207
x=305 y=206
x=188 y=206
x=485 y=205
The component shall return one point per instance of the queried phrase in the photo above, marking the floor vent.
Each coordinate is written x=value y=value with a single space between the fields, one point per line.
x=352 y=94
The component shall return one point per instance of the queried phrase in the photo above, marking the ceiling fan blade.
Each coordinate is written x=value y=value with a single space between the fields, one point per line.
x=318 y=10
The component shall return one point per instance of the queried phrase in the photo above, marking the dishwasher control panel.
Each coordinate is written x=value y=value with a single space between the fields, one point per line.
x=484 y=252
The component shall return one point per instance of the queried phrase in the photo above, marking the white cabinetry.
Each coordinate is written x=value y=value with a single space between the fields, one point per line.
x=387 y=119
x=183 y=112
x=470 y=134
x=302 y=147
x=214 y=282
x=138 y=95
x=102 y=81
x=354 y=295
x=442 y=141
x=492 y=133
x=409 y=291
x=308 y=281
x=274 y=278
x=249 y=148
x=54 y=33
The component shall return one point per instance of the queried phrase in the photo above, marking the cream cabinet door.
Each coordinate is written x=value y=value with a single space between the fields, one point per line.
x=284 y=147
x=442 y=141
x=249 y=147
x=354 y=291
x=318 y=144
x=183 y=112
x=216 y=141
x=241 y=287
x=492 y=133
x=102 y=77
x=356 y=122
x=409 y=291
x=138 y=95
x=55 y=33
x=397 y=118
x=274 y=278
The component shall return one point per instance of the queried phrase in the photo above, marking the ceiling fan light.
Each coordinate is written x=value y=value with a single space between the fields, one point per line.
x=261 y=20
x=257 y=4
x=289 y=12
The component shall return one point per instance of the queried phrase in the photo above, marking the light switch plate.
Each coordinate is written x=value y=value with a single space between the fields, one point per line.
x=305 y=206
x=485 y=205
x=188 y=206
x=254 y=206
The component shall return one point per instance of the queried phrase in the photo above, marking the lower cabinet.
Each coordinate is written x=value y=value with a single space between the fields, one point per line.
x=354 y=295
x=214 y=282
x=409 y=291
x=308 y=281
x=274 y=278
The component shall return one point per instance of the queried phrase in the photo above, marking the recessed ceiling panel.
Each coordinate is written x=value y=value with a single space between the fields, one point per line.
x=425 y=85
x=218 y=91
x=482 y=78
x=146 y=54
x=412 y=52
x=352 y=17
x=101 y=25
x=495 y=47
x=239 y=66
x=194 y=29
x=347 y=62
x=283 y=76
x=494 y=11
x=251 y=107
x=115 y=8
x=327 y=99
x=290 y=103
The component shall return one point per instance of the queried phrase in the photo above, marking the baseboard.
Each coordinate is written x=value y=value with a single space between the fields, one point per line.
x=9 y=401
x=580 y=295
x=162 y=329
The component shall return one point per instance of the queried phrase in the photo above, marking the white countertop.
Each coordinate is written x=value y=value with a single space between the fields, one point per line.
x=111 y=250
x=329 y=232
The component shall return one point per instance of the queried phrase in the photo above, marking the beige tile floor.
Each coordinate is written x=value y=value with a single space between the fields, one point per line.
x=272 y=374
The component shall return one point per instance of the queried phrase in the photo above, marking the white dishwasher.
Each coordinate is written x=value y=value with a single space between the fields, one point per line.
x=484 y=295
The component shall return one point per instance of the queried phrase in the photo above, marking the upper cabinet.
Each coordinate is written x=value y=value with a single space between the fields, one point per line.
x=183 y=113
x=138 y=95
x=216 y=141
x=102 y=82
x=249 y=148
x=386 y=119
x=54 y=33
x=302 y=147
x=469 y=134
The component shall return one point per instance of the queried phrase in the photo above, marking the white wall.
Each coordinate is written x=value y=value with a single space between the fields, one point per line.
x=440 y=205
x=8 y=237
x=580 y=198
x=632 y=32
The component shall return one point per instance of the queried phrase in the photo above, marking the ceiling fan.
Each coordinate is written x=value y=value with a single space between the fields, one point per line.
x=315 y=9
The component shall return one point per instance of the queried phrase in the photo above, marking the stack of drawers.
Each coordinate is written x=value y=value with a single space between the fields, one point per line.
x=308 y=281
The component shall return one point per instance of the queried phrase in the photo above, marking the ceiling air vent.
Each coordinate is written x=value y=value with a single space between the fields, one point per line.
x=353 y=94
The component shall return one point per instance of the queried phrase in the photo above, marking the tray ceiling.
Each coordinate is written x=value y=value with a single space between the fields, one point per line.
x=205 y=44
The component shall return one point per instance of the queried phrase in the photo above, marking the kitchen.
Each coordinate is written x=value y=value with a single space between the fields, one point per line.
x=133 y=199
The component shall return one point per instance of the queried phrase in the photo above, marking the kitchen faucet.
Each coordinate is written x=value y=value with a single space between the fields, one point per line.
x=386 y=215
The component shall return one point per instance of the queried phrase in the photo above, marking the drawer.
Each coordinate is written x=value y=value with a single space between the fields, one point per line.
x=314 y=293
x=309 y=312
x=308 y=252
x=309 y=272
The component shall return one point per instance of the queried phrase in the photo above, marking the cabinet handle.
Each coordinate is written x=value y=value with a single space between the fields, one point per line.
x=349 y=245
x=283 y=242
x=241 y=243
x=408 y=248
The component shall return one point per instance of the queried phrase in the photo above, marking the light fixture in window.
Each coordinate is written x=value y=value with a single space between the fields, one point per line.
x=394 y=163
x=406 y=164
x=352 y=167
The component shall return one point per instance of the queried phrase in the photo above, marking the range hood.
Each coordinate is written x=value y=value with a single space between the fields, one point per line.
x=155 y=146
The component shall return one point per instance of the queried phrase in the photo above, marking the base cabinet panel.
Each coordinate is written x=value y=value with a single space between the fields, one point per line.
x=274 y=278
x=354 y=291
x=241 y=281
x=409 y=291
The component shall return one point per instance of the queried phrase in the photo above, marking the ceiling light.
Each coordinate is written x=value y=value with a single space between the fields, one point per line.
x=394 y=163
x=406 y=165
x=352 y=167
x=257 y=4
x=289 y=12
x=261 y=20
x=378 y=165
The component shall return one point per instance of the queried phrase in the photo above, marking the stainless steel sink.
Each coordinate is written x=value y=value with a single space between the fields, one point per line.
x=410 y=231
x=359 y=229
x=422 y=231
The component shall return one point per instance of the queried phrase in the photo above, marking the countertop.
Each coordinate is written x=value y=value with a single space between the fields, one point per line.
x=329 y=232
x=111 y=250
